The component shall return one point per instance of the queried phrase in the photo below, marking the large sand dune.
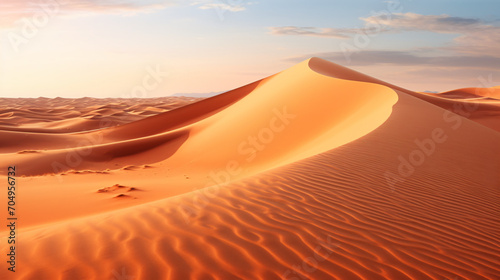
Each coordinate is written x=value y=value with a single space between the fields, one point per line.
x=317 y=172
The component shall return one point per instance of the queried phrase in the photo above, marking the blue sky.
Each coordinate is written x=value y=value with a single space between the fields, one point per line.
x=74 y=48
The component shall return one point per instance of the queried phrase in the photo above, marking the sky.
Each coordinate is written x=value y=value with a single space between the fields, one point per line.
x=153 y=48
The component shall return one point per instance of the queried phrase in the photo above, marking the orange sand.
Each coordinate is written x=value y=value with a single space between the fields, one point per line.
x=317 y=172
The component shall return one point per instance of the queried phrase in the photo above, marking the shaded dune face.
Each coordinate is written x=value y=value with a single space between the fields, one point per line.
x=317 y=172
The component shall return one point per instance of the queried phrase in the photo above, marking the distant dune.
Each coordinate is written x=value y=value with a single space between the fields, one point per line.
x=316 y=172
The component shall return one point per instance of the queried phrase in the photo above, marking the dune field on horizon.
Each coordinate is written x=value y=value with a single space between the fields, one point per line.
x=316 y=172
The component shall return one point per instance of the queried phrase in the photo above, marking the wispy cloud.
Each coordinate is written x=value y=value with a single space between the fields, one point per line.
x=474 y=36
x=13 y=10
x=433 y=23
x=407 y=58
x=224 y=5
x=311 y=31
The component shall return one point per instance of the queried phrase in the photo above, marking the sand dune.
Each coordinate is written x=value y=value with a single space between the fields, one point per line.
x=176 y=141
x=473 y=93
x=317 y=172
x=61 y=115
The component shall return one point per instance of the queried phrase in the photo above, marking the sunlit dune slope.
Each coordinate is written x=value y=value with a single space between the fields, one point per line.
x=318 y=112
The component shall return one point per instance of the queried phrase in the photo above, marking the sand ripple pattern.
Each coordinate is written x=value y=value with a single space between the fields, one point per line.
x=321 y=218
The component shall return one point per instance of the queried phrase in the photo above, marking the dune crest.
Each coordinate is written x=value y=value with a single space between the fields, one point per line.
x=474 y=109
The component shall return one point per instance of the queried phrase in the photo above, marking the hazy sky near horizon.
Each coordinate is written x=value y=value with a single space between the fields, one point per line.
x=117 y=48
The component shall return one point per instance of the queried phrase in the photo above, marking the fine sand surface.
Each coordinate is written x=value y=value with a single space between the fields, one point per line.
x=317 y=172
